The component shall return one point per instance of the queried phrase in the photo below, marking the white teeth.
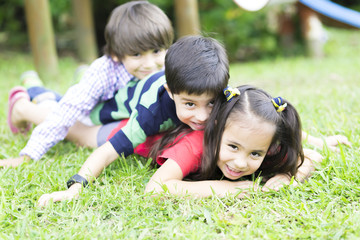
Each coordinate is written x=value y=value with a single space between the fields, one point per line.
x=234 y=170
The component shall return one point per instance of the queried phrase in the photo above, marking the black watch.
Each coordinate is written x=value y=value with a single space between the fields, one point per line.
x=77 y=179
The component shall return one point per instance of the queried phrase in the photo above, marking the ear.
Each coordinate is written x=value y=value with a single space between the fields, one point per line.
x=168 y=91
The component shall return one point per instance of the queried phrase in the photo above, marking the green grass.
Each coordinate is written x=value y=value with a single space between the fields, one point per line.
x=325 y=92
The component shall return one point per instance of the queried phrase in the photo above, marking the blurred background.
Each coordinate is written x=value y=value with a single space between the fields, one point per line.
x=277 y=30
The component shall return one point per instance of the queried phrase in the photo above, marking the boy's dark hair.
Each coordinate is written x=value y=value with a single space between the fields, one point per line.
x=135 y=27
x=193 y=65
x=196 y=65
x=286 y=144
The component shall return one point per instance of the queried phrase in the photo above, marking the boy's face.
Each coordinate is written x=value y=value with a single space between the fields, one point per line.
x=193 y=110
x=145 y=63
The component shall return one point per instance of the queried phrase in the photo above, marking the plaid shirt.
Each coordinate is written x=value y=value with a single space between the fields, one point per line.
x=103 y=78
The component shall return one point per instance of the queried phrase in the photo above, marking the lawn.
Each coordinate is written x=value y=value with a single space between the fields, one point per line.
x=325 y=92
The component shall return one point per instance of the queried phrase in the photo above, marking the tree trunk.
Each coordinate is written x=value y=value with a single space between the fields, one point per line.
x=41 y=36
x=85 y=33
x=312 y=31
x=187 y=17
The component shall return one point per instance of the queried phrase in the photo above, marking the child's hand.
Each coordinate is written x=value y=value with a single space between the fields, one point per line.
x=244 y=187
x=69 y=194
x=277 y=182
x=333 y=142
x=14 y=162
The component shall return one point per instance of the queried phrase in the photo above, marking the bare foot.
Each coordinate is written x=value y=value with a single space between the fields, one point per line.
x=16 y=114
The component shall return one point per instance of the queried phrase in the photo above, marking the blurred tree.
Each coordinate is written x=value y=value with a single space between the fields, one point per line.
x=41 y=38
x=187 y=17
x=85 y=30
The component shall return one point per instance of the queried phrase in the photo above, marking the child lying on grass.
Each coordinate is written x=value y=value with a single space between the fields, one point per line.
x=248 y=132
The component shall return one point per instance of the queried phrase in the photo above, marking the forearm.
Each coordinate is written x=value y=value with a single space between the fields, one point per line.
x=312 y=140
x=311 y=157
x=220 y=188
x=97 y=161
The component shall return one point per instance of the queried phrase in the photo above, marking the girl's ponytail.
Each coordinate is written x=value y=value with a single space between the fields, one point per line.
x=286 y=149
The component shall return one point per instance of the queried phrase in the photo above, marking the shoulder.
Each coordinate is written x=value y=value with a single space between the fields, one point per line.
x=186 y=152
x=152 y=88
x=157 y=78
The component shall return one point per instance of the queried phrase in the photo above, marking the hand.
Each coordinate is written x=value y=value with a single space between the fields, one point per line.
x=333 y=142
x=312 y=155
x=244 y=187
x=14 y=162
x=69 y=194
x=277 y=182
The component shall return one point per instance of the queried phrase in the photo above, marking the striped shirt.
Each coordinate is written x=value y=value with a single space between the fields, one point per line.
x=100 y=82
x=147 y=105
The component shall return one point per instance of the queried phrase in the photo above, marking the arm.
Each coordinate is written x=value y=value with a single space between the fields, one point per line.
x=331 y=141
x=170 y=176
x=305 y=170
x=91 y=169
x=99 y=83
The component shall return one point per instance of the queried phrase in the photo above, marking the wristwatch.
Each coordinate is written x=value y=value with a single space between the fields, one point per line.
x=77 y=179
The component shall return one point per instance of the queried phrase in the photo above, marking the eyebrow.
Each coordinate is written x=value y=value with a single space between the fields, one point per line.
x=195 y=100
x=188 y=99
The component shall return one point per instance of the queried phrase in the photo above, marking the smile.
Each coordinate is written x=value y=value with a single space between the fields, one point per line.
x=233 y=172
x=198 y=126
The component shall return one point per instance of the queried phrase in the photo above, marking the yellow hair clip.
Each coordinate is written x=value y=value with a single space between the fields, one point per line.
x=230 y=93
x=279 y=104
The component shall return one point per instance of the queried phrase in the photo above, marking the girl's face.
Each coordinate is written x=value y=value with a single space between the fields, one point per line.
x=244 y=144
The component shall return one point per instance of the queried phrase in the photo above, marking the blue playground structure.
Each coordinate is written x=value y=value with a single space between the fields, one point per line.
x=334 y=11
x=324 y=7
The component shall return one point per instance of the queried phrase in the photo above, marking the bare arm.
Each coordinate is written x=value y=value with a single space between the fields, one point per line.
x=91 y=169
x=331 y=141
x=169 y=176
x=305 y=170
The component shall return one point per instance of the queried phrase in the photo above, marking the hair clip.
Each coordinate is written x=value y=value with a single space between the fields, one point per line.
x=230 y=93
x=279 y=104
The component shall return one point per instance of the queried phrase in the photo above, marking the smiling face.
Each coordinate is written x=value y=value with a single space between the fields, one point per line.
x=193 y=109
x=145 y=63
x=244 y=144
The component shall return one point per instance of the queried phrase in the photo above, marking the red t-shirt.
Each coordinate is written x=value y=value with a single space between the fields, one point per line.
x=186 y=152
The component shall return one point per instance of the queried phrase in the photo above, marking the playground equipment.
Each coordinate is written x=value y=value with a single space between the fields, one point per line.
x=323 y=7
x=311 y=13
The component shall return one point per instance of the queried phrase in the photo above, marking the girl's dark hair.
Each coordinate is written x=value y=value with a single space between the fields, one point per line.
x=286 y=143
x=135 y=27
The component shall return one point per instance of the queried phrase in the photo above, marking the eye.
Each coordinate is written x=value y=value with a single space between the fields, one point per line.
x=156 y=51
x=233 y=147
x=190 y=104
x=211 y=103
x=256 y=155
x=136 y=55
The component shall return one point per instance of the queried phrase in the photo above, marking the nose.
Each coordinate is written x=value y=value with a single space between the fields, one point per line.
x=149 y=61
x=240 y=163
x=202 y=114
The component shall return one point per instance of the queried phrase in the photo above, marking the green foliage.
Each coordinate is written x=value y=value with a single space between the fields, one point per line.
x=246 y=35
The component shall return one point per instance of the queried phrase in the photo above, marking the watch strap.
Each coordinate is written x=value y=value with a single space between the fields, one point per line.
x=77 y=179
